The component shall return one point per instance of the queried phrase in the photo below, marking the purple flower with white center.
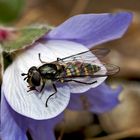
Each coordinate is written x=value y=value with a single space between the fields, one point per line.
x=22 y=111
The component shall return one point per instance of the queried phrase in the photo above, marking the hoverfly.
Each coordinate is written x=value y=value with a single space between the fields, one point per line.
x=68 y=69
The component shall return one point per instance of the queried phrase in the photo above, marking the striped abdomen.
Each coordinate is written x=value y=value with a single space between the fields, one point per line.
x=79 y=68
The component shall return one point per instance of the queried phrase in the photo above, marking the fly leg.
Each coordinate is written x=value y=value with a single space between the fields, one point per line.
x=51 y=94
x=43 y=85
x=39 y=56
x=80 y=82
x=32 y=88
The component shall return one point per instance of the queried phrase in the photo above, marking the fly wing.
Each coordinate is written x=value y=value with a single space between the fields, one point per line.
x=105 y=70
x=90 y=55
x=111 y=69
x=87 y=56
x=78 y=83
x=84 y=57
x=100 y=52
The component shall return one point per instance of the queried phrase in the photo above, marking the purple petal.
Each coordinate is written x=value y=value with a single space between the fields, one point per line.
x=100 y=99
x=92 y=29
x=12 y=125
x=43 y=130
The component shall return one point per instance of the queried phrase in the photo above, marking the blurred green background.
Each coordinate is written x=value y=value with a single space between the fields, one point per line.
x=10 y=10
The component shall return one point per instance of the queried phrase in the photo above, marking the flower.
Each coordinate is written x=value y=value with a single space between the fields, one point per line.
x=22 y=111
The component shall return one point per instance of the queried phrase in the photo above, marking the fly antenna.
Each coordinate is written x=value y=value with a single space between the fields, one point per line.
x=25 y=78
x=23 y=74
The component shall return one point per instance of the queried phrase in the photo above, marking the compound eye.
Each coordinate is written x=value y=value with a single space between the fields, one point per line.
x=36 y=79
x=32 y=69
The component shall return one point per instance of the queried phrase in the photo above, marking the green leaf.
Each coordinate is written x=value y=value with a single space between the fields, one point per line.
x=10 y=10
x=24 y=37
